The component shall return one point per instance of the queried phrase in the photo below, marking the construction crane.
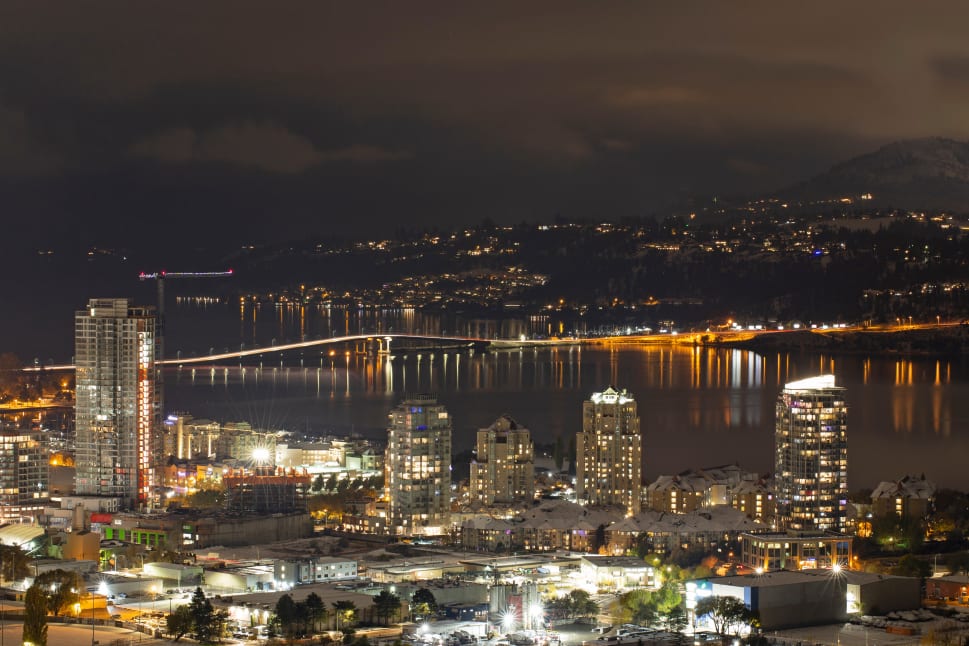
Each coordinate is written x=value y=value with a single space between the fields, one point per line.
x=160 y=277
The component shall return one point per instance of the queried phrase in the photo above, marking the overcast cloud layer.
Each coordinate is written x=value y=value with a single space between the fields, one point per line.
x=255 y=121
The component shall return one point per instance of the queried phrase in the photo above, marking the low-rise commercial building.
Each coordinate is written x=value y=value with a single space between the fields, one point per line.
x=769 y=551
x=616 y=572
x=318 y=569
x=782 y=599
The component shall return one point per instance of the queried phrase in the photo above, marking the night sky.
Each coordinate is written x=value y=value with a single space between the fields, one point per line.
x=247 y=122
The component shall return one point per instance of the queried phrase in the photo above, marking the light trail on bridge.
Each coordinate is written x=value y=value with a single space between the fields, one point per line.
x=239 y=354
x=685 y=338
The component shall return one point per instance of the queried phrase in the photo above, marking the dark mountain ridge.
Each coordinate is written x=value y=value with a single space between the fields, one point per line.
x=931 y=173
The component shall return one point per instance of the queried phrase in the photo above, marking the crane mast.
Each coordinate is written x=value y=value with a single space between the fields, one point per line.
x=160 y=277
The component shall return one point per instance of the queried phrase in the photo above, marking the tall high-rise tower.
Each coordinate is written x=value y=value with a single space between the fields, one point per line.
x=609 y=451
x=504 y=469
x=418 y=467
x=117 y=413
x=811 y=455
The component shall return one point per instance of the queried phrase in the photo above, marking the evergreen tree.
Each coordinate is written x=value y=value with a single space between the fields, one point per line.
x=13 y=563
x=206 y=623
x=35 y=616
x=286 y=615
x=315 y=610
x=387 y=605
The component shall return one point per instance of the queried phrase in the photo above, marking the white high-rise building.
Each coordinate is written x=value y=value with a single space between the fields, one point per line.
x=418 y=467
x=811 y=455
x=609 y=452
x=504 y=469
x=117 y=412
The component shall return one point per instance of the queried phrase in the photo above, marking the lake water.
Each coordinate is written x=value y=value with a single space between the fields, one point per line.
x=698 y=407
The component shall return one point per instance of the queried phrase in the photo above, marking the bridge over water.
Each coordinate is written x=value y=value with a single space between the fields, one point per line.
x=372 y=344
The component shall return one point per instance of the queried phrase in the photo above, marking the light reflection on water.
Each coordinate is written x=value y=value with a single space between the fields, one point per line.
x=699 y=407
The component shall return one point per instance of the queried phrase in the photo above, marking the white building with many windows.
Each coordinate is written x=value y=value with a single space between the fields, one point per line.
x=609 y=452
x=811 y=456
x=117 y=413
x=24 y=475
x=503 y=470
x=418 y=467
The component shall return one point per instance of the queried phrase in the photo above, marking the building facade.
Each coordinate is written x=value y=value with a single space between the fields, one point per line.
x=811 y=456
x=504 y=469
x=24 y=475
x=609 y=451
x=911 y=497
x=418 y=467
x=117 y=401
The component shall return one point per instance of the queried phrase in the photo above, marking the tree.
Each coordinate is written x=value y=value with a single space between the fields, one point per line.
x=958 y=562
x=317 y=483
x=206 y=622
x=424 y=603
x=10 y=375
x=179 y=622
x=286 y=616
x=910 y=565
x=35 y=616
x=577 y=603
x=387 y=605
x=725 y=613
x=346 y=615
x=668 y=598
x=315 y=610
x=61 y=587
x=675 y=620
x=13 y=563
x=638 y=607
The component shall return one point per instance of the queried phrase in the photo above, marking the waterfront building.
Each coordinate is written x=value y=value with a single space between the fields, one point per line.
x=609 y=451
x=679 y=494
x=504 y=469
x=24 y=481
x=117 y=401
x=418 y=467
x=911 y=498
x=811 y=456
x=754 y=499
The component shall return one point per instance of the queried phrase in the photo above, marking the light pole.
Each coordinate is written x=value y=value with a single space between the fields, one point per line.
x=94 y=642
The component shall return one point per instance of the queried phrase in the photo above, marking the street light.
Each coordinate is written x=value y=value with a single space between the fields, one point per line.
x=94 y=642
x=508 y=619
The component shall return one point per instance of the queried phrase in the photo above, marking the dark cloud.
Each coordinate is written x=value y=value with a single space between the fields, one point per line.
x=340 y=116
